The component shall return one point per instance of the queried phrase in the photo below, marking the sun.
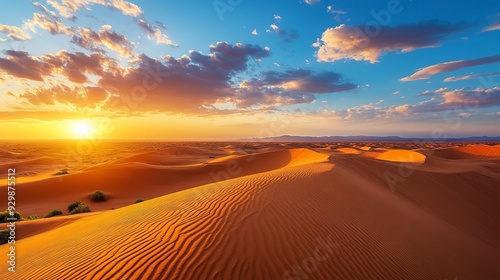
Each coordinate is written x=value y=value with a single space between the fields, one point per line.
x=82 y=129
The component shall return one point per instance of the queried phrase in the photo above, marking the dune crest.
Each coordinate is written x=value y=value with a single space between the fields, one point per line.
x=350 y=151
x=480 y=150
x=402 y=156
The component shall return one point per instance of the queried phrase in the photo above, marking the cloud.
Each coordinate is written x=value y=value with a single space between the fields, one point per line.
x=20 y=64
x=426 y=93
x=155 y=33
x=185 y=84
x=287 y=37
x=14 y=32
x=289 y=87
x=68 y=8
x=73 y=66
x=460 y=102
x=89 y=39
x=359 y=43
x=277 y=17
x=310 y=2
x=196 y=83
x=429 y=71
x=306 y=81
x=494 y=26
x=469 y=77
x=51 y=24
x=77 y=97
x=331 y=10
x=125 y=7
x=45 y=10
x=254 y=32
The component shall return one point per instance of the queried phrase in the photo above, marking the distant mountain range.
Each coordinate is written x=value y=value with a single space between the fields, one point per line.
x=362 y=138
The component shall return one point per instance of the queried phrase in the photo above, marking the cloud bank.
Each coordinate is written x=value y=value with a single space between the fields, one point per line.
x=360 y=43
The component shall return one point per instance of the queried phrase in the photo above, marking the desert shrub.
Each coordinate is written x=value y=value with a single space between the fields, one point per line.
x=54 y=213
x=6 y=215
x=33 y=217
x=73 y=205
x=4 y=236
x=62 y=172
x=80 y=208
x=98 y=196
x=139 y=200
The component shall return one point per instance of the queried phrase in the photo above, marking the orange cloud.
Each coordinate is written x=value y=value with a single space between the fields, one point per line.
x=73 y=66
x=289 y=87
x=68 y=8
x=51 y=24
x=185 y=84
x=362 y=43
x=14 y=32
x=90 y=40
x=194 y=83
x=78 y=97
x=155 y=33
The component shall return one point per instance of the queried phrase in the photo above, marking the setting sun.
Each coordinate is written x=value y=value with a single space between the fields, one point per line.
x=82 y=128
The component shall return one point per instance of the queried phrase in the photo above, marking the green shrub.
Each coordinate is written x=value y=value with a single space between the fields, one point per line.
x=139 y=200
x=33 y=217
x=6 y=215
x=54 y=213
x=73 y=205
x=98 y=196
x=81 y=208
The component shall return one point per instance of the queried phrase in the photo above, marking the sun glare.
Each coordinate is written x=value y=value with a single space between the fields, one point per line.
x=82 y=129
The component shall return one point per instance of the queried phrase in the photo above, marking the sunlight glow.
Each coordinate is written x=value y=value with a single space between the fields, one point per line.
x=82 y=128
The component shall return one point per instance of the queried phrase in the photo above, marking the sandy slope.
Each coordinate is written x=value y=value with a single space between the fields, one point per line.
x=143 y=176
x=290 y=214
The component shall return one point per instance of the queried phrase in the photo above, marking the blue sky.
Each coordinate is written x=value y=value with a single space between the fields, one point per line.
x=327 y=67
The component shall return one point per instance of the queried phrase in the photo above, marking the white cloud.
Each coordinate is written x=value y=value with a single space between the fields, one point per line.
x=310 y=2
x=254 y=32
x=331 y=10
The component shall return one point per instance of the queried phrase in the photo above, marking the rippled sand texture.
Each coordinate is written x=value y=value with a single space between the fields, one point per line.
x=244 y=211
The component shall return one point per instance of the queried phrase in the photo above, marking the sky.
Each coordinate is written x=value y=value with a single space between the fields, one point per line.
x=231 y=69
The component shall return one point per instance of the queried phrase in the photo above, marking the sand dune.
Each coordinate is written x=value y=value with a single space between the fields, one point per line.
x=351 y=151
x=469 y=152
x=146 y=176
x=286 y=214
x=402 y=156
x=480 y=150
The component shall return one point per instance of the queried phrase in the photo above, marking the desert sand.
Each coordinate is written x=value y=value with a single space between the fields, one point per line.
x=257 y=211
